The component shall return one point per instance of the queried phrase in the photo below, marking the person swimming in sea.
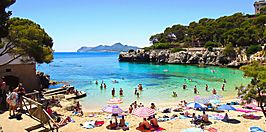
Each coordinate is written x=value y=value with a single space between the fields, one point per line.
x=96 y=82
x=174 y=94
x=224 y=81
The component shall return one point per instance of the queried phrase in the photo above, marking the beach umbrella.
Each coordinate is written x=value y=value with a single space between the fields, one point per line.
x=196 y=105
x=226 y=107
x=143 y=112
x=112 y=109
x=192 y=129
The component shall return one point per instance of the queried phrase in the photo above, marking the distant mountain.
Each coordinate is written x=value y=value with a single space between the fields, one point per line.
x=117 y=47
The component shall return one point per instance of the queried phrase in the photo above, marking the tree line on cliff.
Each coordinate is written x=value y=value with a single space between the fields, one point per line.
x=238 y=30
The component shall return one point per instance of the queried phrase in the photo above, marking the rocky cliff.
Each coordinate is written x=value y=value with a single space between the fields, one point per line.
x=202 y=57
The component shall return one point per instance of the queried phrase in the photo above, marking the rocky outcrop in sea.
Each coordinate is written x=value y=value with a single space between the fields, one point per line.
x=202 y=57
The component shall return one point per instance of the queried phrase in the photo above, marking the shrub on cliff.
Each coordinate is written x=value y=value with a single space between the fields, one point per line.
x=229 y=50
x=211 y=44
x=161 y=46
x=253 y=49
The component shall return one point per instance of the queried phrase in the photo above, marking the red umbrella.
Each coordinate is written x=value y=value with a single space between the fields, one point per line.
x=143 y=112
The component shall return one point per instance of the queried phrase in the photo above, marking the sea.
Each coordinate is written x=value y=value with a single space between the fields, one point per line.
x=159 y=81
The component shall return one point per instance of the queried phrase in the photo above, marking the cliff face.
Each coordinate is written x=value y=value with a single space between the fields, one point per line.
x=215 y=58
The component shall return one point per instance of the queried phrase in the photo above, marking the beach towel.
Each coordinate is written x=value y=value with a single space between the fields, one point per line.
x=183 y=117
x=151 y=129
x=89 y=124
x=245 y=110
x=99 y=123
x=211 y=129
x=255 y=129
x=216 y=117
x=251 y=116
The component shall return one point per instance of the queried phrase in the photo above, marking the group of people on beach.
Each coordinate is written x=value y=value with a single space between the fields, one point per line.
x=14 y=99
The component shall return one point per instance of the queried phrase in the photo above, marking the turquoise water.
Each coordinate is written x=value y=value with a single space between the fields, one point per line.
x=159 y=81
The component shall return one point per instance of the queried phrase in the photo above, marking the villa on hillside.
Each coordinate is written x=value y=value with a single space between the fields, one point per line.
x=18 y=71
x=259 y=5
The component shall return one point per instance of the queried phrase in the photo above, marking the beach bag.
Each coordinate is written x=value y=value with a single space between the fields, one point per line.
x=12 y=99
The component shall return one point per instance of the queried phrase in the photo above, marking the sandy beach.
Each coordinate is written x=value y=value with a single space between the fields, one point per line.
x=11 y=125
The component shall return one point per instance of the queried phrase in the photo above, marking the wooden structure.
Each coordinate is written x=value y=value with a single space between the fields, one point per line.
x=37 y=111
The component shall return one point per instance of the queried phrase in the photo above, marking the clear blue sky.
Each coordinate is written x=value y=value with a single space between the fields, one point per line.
x=76 y=23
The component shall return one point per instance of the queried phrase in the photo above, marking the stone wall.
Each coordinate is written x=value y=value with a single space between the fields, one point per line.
x=26 y=73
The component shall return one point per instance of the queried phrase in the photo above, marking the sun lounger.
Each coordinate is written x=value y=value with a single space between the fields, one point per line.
x=211 y=129
x=253 y=117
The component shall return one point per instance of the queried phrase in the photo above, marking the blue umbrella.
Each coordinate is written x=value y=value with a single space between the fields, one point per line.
x=226 y=107
x=196 y=105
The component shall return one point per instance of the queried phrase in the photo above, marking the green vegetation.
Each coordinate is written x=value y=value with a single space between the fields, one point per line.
x=229 y=50
x=253 y=49
x=27 y=39
x=239 y=30
x=177 y=50
x=4 y=16
x=257 y=87
x=22 y=38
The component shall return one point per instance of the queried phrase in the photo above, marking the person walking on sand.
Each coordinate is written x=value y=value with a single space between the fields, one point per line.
x=137 y=94
x=121 y=92
x=113 y=92
x=206 y=87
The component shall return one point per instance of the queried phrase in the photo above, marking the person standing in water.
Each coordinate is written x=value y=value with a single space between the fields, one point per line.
x=195 y=90
x=96 y=82
x=184 y=86
x=223 y=87
x=104 y=85
x=101 y=87
x=121 y=92
x=214 y=91
x=206 y=87
x=113 y=92
x=136 y=91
